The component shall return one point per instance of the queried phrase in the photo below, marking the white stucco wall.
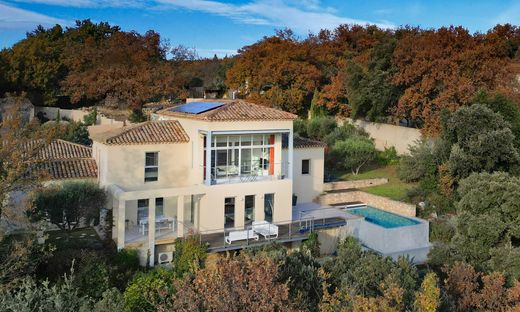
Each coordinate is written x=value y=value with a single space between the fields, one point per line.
x=308 y=186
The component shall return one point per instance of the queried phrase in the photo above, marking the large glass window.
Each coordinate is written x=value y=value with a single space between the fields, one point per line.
x=249 y=213
x=235 y=155
x=229 y=212
x=151 y=167
x=159 y=207
x=142 y=209
x=268 y=207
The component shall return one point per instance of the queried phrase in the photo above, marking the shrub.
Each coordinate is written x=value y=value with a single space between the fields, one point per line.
x=124 y=265
x=112 y=301
x=318 y=128
x=93 y=277
x=146 y=290
x=33 y=296
x=441 y=230
x=428 y=296
x=137 y=115
x=312 y=245
x=189 y=255
x=387 y=157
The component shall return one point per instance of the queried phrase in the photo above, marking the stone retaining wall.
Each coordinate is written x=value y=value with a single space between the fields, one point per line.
x=370 y=199
x=345 y=185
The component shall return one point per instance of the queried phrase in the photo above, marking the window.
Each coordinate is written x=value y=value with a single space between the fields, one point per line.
x=151 y=167
x=249 y=213
x=306 y=164
x=159 y=207
x=242 y=155
x=268 y=207
x=229 y=212
x=142 y=209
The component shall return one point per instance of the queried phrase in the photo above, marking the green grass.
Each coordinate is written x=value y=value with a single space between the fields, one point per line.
x=76 y=239
x=394 y=189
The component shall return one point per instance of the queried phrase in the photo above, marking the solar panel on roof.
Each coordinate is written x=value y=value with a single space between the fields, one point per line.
x=196 y=107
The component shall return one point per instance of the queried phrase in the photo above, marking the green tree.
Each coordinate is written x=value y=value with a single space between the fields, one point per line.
x=482 y=141
x=369 y=90
x=355 y=152
x=501 y=104
x=65 y=205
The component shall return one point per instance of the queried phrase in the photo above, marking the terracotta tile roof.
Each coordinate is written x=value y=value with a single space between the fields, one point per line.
x=61 y=149
x=70 y=168
x=64 y=160
x=299 y=142
x=236 y=110
x=150 y=132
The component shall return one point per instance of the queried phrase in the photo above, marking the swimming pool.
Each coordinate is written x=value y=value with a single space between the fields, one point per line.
x=380 y=217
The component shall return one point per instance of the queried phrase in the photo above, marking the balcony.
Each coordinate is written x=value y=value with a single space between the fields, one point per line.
x=239 y=157
x=226 y=174
x=253 y=236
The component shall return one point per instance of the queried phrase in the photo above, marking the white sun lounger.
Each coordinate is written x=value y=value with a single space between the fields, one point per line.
x=266 y=229
x=241 y=235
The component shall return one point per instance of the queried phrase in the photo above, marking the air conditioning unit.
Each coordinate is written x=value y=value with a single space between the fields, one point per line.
x=165 y=257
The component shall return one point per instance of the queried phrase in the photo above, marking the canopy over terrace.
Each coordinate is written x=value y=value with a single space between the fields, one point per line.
x=120 y=197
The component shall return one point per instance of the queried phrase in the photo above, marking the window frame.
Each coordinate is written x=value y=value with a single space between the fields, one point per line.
x=148 y=167
x=308 y=171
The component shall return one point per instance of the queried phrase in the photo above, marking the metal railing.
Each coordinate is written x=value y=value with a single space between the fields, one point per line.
x=248 y=173
x=251 y=235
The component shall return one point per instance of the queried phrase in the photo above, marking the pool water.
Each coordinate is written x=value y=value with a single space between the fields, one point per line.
x=383 y=218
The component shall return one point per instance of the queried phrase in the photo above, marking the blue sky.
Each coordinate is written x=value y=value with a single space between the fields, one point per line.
x=221 y=27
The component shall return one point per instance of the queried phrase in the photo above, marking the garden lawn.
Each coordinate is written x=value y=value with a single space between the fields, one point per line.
x=395 y=189
x=76 y=239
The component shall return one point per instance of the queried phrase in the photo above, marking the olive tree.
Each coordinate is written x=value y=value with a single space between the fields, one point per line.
x=67 y=204
x=355 y=152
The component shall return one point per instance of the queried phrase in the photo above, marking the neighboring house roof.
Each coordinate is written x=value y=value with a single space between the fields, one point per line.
x=61 y=149
x=299 y=142
x=150 y=132
x=66 y=160
x=235 y=110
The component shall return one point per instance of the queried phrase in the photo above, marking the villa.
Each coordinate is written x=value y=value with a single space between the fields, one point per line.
x=232 y=174
x=229 y=170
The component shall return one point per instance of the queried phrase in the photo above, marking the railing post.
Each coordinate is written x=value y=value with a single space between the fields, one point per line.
x=290 y=231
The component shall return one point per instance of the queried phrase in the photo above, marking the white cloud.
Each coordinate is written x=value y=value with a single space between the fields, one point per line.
x=15 y=18
x=300 y=15
x=302 y=18
x=88 y=3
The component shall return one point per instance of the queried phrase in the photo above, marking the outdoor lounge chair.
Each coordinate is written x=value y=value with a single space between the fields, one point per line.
x=266 y=229
x=241 y=235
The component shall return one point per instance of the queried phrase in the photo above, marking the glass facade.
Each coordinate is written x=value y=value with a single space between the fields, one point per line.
x=249 y=209
x=268 y=207
x=229 y=212
x=242 y=155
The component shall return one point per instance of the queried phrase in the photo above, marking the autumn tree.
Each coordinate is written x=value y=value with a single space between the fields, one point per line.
x=127 y=66
x=443 y=69
x=472 y=290
x=237 y=283
x=275 y=71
